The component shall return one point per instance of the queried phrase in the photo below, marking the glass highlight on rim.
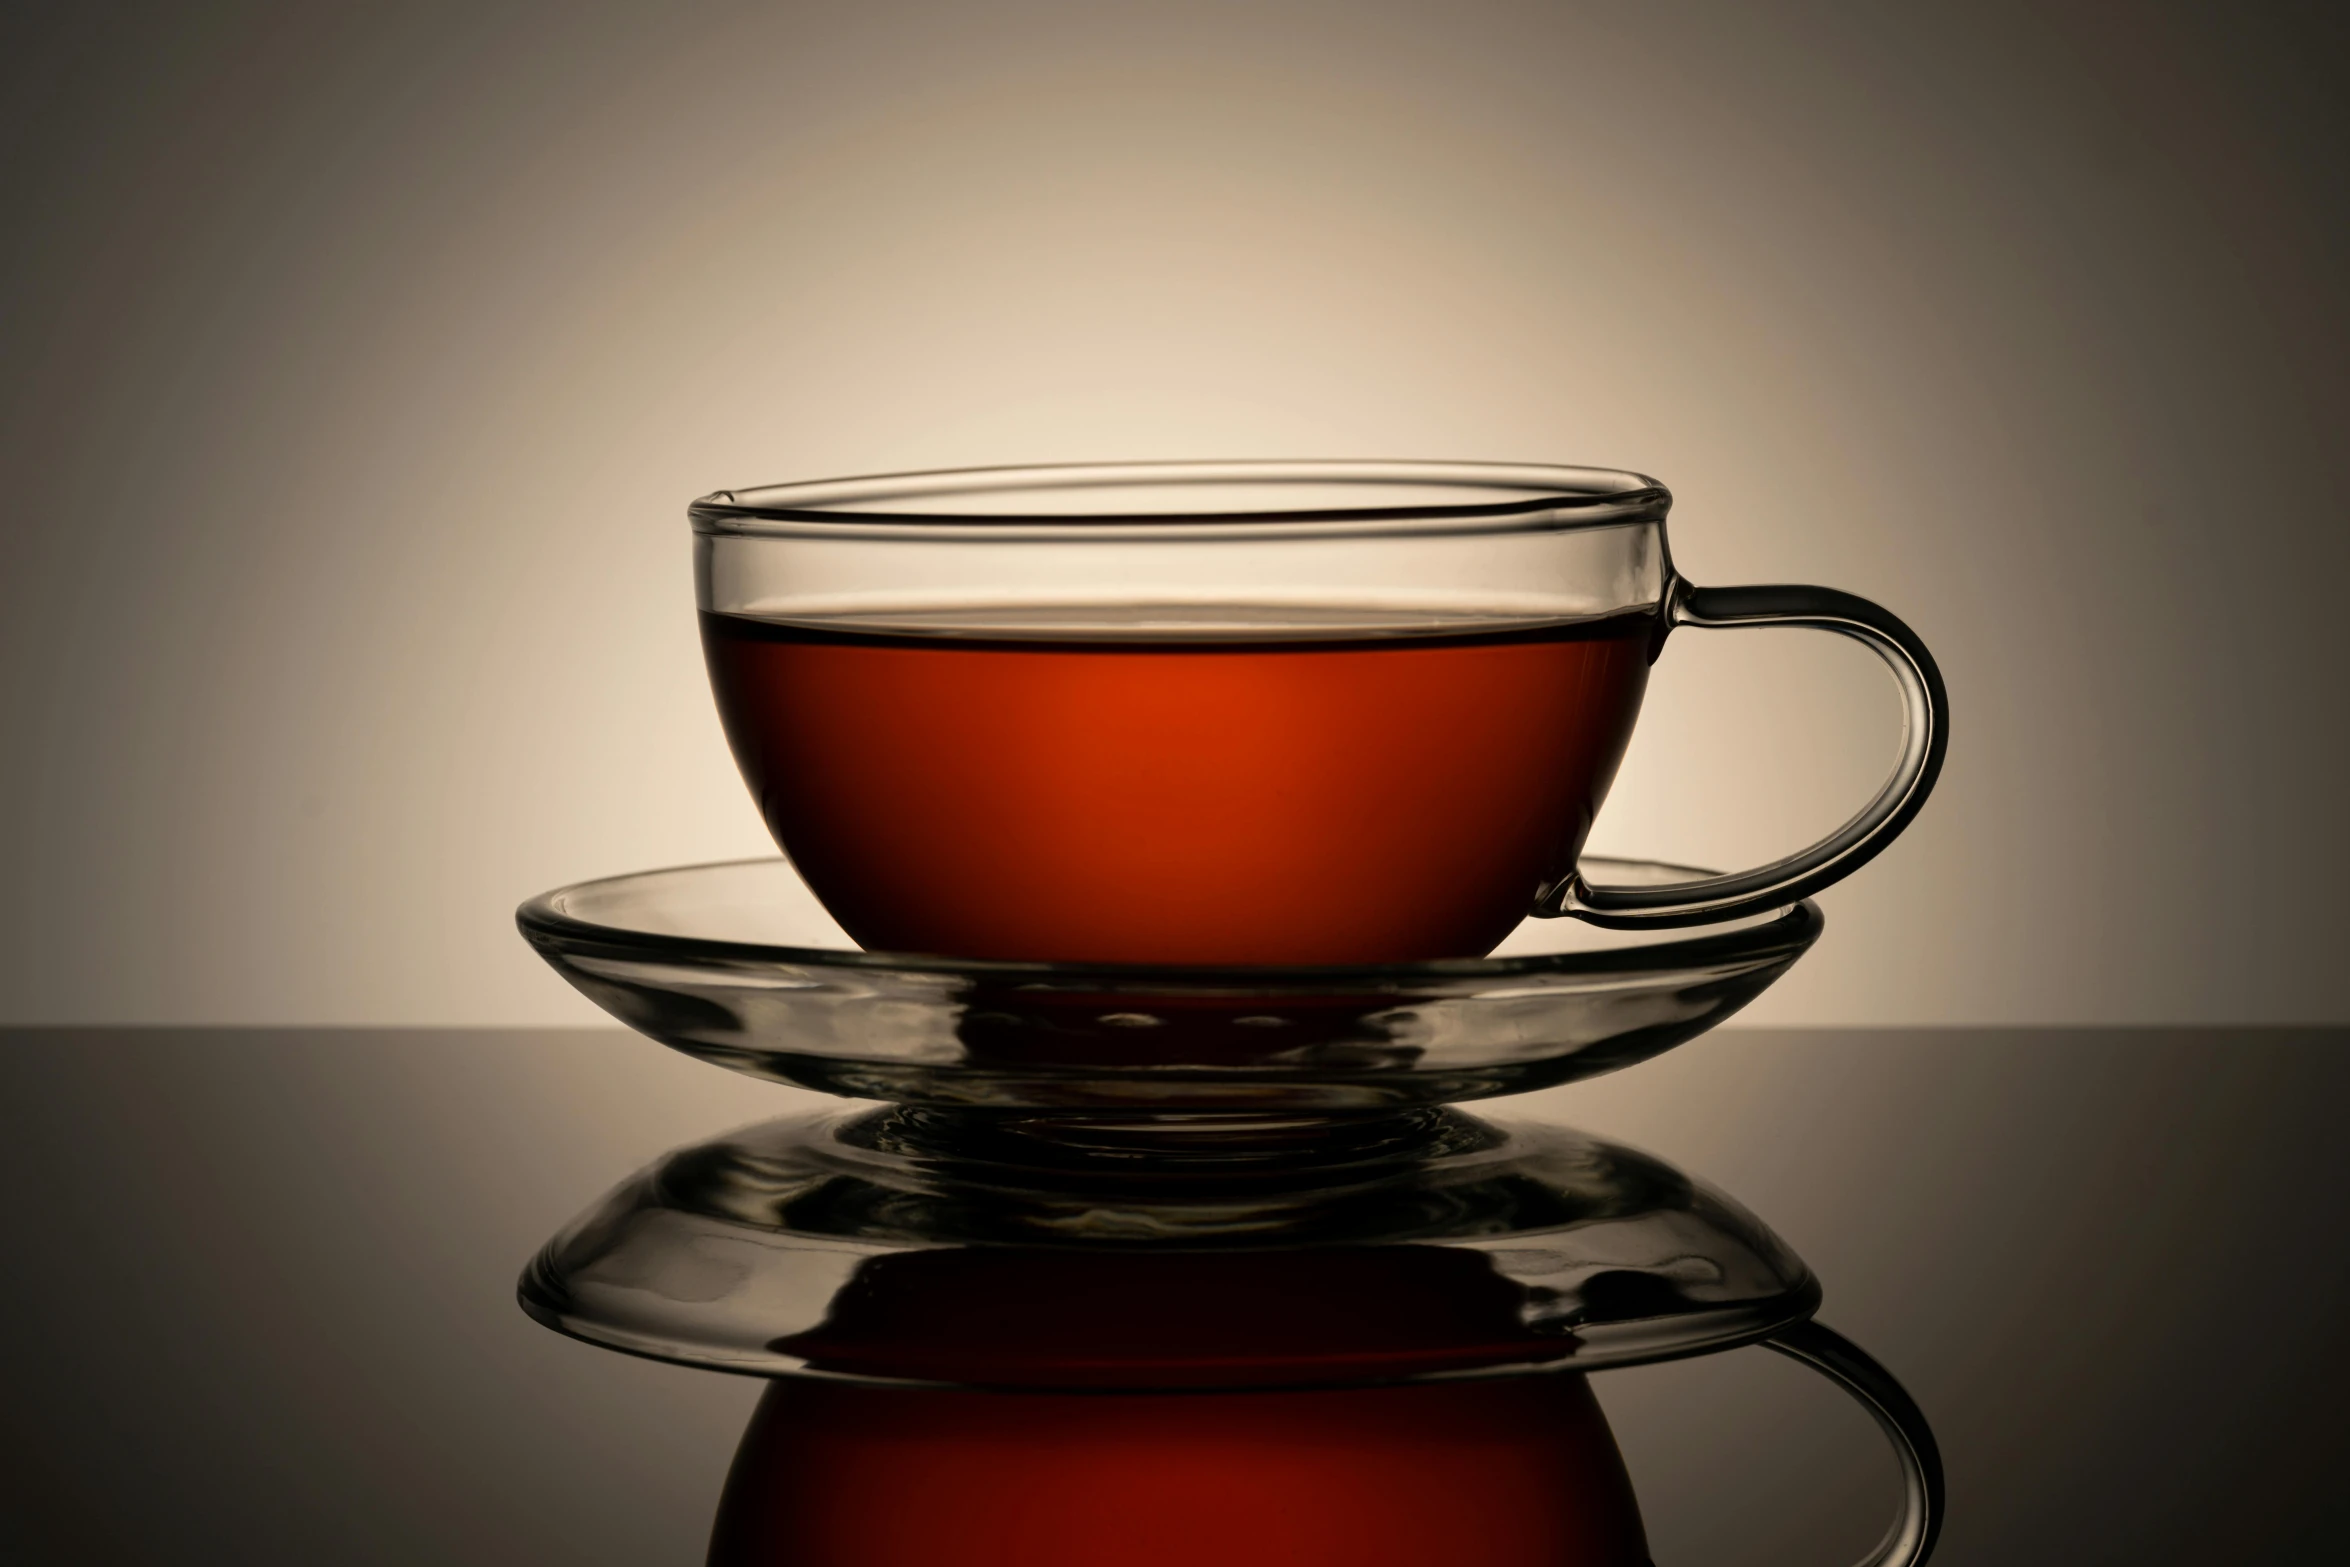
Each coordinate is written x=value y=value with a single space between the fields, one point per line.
x=1216 y=497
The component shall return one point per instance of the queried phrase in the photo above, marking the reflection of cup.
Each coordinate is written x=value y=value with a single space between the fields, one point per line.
x=1273 y=1452
x=1520 y=1470
x=1225 y=713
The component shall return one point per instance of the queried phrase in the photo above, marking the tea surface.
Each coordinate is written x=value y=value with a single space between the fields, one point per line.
x=1340 y=799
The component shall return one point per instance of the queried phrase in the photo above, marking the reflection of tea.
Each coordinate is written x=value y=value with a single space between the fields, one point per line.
x=1516 y=1472
x=1347 y=798
x=1270 y=1456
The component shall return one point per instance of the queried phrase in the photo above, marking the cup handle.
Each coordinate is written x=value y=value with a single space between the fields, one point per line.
x=1911 y=1539
x=1925 y=736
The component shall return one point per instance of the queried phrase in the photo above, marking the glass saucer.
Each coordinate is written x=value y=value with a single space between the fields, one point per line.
x=706 y=959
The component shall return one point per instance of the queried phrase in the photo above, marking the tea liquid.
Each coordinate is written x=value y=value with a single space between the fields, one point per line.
x=1342 y=799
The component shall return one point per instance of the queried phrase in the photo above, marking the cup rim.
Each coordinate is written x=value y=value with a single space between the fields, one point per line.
x=1523 y=496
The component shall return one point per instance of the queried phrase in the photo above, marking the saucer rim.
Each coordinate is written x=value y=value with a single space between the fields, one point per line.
x=1794 y=927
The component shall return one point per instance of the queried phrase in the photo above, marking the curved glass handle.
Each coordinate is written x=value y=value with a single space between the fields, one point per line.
x=1911 y=1539
x=1925 y=736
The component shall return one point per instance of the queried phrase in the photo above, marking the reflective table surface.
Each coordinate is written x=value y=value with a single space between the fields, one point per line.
x=260 y=1303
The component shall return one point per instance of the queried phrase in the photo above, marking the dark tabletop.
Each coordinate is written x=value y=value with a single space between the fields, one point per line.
x=259 y=1294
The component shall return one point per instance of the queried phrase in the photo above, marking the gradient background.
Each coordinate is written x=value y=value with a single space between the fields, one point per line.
x=356 y=362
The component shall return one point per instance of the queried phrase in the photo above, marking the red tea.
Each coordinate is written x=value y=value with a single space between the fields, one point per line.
x=1352 y=799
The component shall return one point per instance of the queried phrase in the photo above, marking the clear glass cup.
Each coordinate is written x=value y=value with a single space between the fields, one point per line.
x=1228 y=713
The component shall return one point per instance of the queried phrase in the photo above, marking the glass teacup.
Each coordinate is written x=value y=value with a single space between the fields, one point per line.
x=1227 y=713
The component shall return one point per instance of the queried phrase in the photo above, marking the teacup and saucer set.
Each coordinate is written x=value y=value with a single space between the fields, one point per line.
x=1173 y=814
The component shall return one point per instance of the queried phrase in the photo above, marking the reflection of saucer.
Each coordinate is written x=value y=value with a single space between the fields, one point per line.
x=693 y=958
x=884 y=1245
